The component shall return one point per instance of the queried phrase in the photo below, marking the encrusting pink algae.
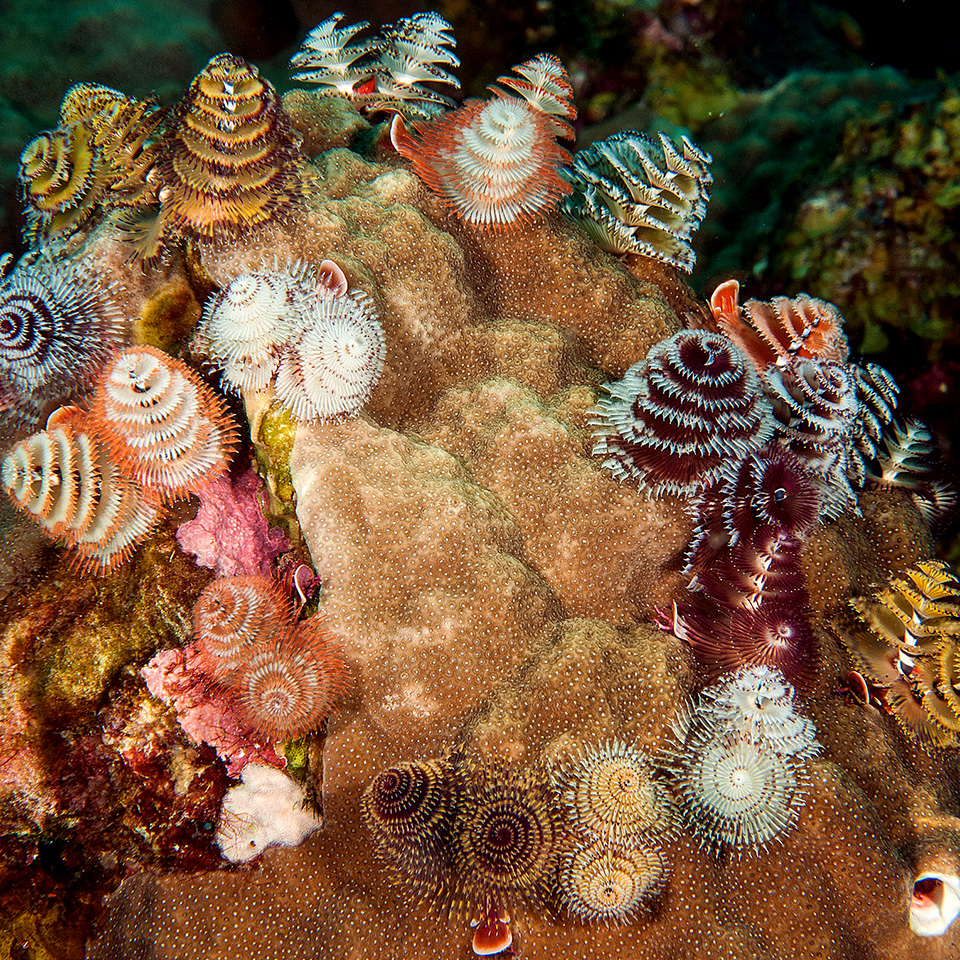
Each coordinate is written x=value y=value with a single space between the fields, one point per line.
x=604 y=623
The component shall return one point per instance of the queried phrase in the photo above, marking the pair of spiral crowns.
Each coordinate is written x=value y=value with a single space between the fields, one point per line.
x=98 y=159
x=619 y=817
x=769 y=428
x=906 y=644
x=736 y=761
x=283 y=677
x=97 y=478
x=496 y=163
x=322 y=347
x=471 y=842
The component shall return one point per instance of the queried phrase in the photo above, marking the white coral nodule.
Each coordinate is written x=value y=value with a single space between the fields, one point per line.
x=264 y=810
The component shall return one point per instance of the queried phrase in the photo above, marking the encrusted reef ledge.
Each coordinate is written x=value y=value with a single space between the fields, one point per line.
x=431 y=573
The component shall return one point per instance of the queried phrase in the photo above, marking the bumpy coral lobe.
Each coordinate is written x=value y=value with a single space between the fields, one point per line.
x=230 y=158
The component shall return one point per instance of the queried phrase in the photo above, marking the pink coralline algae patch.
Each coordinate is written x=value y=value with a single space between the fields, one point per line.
x=230 y=534
x=205 y=713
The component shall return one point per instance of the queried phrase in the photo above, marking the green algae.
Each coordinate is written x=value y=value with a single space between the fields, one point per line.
x=74 y=635
x=877 y=233
x=273 y=439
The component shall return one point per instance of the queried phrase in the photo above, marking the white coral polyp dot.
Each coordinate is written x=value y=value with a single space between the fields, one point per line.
x=330 y=370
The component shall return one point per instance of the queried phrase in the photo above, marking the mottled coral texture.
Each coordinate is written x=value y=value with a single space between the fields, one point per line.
x=493 y=589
